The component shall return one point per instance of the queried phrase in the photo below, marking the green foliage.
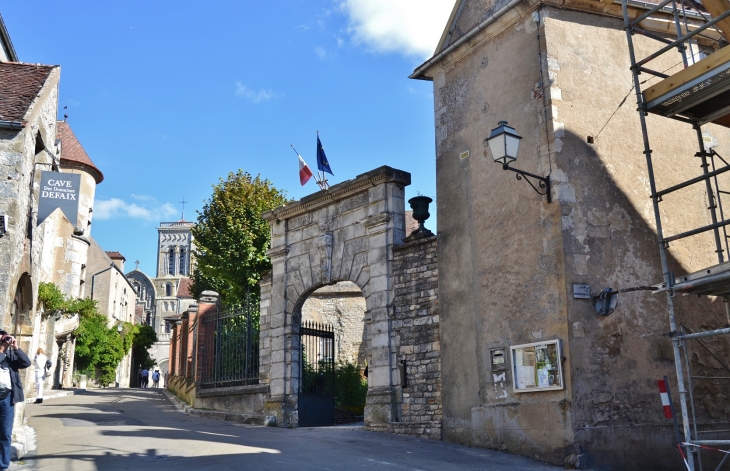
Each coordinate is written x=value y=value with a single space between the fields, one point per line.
x=232 y=238
x=350 y=388
x=100 y=348
x=51 y=297
x=143 y=340
x=53 y=300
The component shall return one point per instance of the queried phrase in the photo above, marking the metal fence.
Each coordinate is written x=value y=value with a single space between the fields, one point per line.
x=228 y=350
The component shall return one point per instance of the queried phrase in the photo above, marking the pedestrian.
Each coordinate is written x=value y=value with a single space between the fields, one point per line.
x=145 y=377
x=139 y=376
x=156 y=379
x=12 y=359
x=41 y=364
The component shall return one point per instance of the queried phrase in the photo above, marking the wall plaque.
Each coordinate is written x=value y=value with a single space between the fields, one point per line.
x=581 y=291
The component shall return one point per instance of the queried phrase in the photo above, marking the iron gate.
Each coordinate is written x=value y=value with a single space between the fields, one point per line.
x=317 y=375
x=229 y=347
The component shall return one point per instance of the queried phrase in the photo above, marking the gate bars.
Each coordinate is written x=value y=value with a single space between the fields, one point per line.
x=229 y=347
x=631 y=27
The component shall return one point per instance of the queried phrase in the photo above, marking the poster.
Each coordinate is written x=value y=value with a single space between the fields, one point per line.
x=537 y=366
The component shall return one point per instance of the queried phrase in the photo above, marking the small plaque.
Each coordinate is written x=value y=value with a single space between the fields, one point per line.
x=498 y=357
x=581 y=291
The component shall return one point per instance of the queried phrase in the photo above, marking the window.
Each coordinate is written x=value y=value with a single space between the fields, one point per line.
x=182 y=261
x=168 y=289
x=171 y=262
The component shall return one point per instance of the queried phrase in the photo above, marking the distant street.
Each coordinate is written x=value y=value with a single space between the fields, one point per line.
x=140 y=429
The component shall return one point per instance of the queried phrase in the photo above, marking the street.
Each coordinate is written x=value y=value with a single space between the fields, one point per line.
x=132 y=428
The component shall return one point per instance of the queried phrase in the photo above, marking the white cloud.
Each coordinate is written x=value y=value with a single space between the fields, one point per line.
x=255 y=97
x=116 y=207
x=143 y=197
x=410 y=27
x=321 y=53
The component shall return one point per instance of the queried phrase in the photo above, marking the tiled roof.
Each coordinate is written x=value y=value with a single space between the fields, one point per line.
x=116 y=256
x=72 y=152
x=20 y=84
x=184 y=290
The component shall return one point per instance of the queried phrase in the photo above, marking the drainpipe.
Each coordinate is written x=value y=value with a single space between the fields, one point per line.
x=94 y=276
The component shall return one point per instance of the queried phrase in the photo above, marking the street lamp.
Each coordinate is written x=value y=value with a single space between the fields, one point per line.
x=504 y=142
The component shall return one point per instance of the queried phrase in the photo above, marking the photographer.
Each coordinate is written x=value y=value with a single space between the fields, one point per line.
x=12 y=359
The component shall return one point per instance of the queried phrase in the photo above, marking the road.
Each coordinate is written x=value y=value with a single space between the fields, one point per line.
x=117 y=429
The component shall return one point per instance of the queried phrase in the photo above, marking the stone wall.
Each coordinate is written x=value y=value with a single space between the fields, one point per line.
x=508 y=259
x=415 y=331
x=342 y=306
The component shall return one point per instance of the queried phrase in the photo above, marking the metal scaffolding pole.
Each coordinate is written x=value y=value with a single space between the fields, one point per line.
x=662 y=249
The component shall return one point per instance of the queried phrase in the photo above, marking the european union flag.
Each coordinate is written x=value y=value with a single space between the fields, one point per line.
x=322 y=163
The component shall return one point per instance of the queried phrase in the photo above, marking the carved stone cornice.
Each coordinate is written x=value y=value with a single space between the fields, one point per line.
x=340 y=191
x=278 y=252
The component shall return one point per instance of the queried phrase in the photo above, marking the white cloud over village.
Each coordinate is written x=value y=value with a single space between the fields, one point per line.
x=254 y=96
x=116 y=207
x=409 y=27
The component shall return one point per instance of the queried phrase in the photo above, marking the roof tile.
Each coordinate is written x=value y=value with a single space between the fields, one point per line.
x=20 y=84
x=73 y=152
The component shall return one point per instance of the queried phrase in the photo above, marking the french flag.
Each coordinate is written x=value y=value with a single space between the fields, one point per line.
x=304 y=173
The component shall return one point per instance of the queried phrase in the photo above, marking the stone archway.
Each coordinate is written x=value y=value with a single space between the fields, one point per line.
x=345 y=233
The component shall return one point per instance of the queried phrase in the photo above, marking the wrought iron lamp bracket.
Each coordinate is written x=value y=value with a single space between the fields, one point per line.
x=543 y=183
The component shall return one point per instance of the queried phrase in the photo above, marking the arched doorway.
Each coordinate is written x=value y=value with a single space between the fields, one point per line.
x=333 y=355
x=345 y=233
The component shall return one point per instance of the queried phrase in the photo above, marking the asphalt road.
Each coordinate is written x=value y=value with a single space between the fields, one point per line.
x=118 y=429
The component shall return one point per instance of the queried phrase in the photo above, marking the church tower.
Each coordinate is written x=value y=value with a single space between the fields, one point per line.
x=175 y=246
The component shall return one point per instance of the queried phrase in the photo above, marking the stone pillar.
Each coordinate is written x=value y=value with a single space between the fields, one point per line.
x=276 y=335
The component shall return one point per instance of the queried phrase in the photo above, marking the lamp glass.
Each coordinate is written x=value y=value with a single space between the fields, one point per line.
x=119 y=328
x=504 y=143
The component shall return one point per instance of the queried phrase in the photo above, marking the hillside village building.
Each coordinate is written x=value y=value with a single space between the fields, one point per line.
x=168 y=294
x=511 y=264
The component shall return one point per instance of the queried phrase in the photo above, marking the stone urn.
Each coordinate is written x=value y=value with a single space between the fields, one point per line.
x=419 y=204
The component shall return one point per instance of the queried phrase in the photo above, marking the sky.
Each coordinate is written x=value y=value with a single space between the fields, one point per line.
x=168 y=97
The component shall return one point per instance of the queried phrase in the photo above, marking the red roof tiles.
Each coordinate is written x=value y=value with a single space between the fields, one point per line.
x=72 y=152
x=20 y=84
x=184 y=290
x=115 y=255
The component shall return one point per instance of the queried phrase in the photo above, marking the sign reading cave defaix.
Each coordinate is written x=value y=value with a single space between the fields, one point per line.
x=59 y=190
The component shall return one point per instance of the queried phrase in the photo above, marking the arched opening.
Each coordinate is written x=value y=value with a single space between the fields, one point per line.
x=22 y=304
x=171 y=261
x=183 y=264
x=332 y=347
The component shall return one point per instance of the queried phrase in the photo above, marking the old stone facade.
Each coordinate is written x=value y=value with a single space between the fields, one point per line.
x=343 y=234
x=342 y=306
x=508 y=260
x=168 y=294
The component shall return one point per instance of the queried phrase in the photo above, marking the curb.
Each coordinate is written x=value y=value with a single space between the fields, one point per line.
x=60 y=393
x=228 y=416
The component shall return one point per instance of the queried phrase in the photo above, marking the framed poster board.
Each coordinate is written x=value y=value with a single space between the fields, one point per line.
x=537 y=366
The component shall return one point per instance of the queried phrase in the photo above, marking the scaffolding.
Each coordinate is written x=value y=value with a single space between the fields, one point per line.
x=697 y=95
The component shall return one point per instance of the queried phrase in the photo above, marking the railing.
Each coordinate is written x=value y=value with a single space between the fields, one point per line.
x=228 y=349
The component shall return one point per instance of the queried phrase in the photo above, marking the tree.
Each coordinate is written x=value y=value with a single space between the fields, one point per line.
x=143 y=341
x=232 y=238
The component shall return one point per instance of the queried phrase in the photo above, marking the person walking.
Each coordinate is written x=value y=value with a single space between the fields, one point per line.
x=145 y=377
x=156 y=379
x=12 y=359
x=40 y=362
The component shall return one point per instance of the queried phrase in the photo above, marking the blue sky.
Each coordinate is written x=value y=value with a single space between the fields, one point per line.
x=167 y=97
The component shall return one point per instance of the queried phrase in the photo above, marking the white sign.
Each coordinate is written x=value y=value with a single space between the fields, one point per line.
x=581 y=291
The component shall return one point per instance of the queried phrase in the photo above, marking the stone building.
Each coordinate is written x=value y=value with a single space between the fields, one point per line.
x=558 y=73
x=168 y=294
x=114 y=295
